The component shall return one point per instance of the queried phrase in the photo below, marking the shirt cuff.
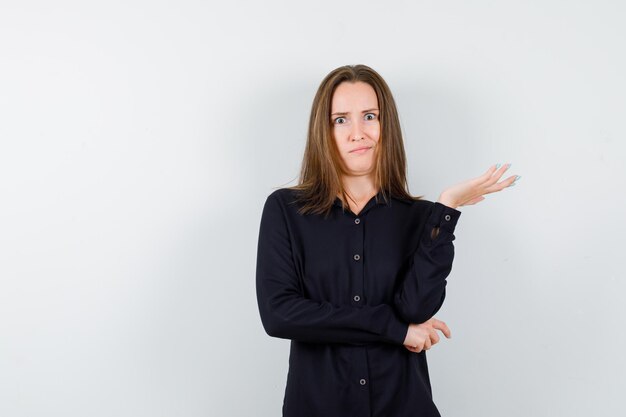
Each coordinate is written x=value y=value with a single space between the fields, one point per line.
x=397 y=331
x=444 y=217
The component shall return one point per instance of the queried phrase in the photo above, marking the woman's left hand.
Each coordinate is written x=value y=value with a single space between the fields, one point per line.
x=427 y=333
x=471 y=191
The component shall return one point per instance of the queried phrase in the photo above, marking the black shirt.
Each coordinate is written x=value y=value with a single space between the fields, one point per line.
x=344 y=290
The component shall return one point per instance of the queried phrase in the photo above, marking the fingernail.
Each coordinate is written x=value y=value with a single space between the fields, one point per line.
x=497 y=166
x=517 y=177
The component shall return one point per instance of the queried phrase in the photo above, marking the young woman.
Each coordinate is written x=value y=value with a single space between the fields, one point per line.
x=351 y=267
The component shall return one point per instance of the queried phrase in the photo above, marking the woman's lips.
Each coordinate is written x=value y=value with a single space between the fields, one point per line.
x=361 y=150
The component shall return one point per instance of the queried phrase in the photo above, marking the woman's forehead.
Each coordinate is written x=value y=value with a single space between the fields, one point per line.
x=354 y=97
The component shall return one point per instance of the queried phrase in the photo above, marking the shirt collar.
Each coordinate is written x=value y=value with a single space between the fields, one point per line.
x=380 y=200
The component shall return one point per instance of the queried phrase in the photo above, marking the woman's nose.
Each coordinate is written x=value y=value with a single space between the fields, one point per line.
x=357 y=131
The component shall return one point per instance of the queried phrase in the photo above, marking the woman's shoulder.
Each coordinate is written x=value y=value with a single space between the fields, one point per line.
x=283 y=199
x=416 y=202
x=283 y=195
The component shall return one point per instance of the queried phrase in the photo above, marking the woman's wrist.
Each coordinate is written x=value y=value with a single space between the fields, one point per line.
x=447 y=201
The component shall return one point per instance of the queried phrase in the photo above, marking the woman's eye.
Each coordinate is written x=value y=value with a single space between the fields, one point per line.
x=339 y=118
x=371 y=114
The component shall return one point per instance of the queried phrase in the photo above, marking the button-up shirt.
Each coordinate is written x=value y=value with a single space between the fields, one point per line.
x=344 y=289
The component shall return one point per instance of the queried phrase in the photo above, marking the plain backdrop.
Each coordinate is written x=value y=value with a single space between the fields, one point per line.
x=139 y=140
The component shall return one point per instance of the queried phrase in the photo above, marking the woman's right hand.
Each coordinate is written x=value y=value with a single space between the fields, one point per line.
x=422 y=336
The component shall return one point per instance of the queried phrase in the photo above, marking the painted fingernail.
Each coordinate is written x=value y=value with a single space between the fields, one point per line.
x=517 y=177
x=497 y=166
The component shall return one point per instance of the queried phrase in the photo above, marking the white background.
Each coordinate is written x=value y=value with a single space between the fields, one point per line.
x=139 y=140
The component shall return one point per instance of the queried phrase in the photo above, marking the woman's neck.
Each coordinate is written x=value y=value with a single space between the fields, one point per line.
x=360 y=188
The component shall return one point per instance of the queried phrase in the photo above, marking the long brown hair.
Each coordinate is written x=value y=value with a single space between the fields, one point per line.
x=320 y=176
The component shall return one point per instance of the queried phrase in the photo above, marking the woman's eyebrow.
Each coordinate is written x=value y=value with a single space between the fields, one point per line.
x=343 y=113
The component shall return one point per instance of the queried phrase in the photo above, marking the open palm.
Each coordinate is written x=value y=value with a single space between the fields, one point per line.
x=471 y=191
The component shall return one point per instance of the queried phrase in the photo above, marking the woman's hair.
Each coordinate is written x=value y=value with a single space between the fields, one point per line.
x=320 y=175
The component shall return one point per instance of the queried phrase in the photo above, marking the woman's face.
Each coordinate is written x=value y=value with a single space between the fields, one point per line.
x=355 y=126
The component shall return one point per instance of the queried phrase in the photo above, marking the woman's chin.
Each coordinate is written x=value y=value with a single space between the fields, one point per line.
x=360 y=170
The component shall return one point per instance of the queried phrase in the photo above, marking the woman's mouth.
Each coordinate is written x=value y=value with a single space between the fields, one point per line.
x=361 y=150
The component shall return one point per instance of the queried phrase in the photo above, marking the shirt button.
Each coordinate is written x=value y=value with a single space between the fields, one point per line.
x=357 y=298
x=357 y=221
x=357 y=257
x=362 y=382
x=447 y=217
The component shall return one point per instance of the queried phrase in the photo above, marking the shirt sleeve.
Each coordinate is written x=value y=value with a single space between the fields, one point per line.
x=287 y=314
x=421 y=291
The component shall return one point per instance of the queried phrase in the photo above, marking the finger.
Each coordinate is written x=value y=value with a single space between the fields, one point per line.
x=510 y=180
x=484 y=177
x=440 y=325
x=427 y=343
x=412 y=349
x=503 y=168
x=496 y=176
x=501 y=185
x=492 y=175
x=434 y=337
x=491 y=170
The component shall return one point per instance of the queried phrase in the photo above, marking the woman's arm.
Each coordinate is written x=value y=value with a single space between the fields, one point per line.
x=287 y=314
x=421 y=291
